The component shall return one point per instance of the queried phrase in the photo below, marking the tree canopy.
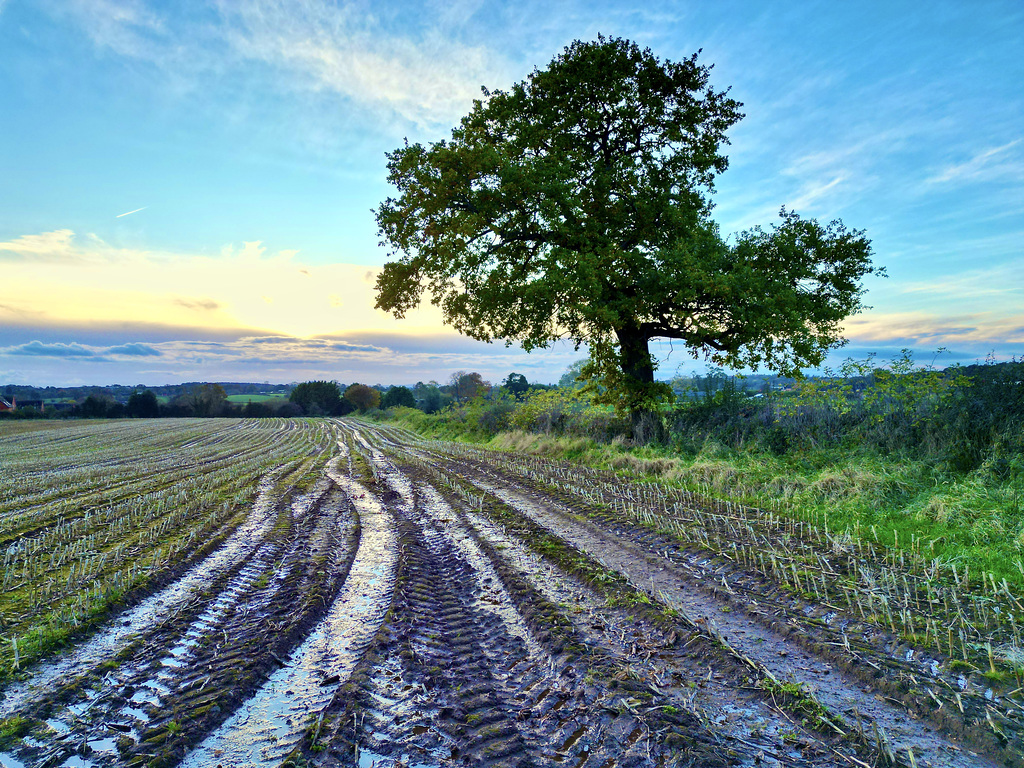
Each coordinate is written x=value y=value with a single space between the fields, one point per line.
x=516 y=385
x=362 y=396
x=467 y=386
x=577 y=205
x=319 y=398
x=398 y=396
x=207 y=399
x=143 y=405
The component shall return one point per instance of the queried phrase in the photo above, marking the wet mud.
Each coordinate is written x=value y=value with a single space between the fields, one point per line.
x=413 y=603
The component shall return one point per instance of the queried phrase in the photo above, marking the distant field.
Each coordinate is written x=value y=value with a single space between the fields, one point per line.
x=9 y=427
x=256 y=398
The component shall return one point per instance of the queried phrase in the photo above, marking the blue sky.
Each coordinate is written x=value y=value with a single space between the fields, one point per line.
x=245 y=142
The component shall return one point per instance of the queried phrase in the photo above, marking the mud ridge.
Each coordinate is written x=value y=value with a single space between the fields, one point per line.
x=655 y=574
x=887 y=669
x=188 y=668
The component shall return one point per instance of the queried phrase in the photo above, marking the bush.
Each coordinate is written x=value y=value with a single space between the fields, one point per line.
x=497 y=416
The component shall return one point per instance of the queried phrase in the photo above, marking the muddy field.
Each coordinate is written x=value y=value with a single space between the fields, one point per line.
x=378 y=599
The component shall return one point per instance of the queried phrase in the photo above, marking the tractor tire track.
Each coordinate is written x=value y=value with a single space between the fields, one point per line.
x=891 y=724
x=105 y=698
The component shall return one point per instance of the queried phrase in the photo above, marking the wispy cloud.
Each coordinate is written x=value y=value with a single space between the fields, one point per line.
x=1003 y=281
x=134 y=350
x=934 y=329
x=125 y=27
x=52 y=246
x=811 y=195
x=996 y=162
x=244 y=286
x=64 y=246
x=426 y=76
x=204 y=305
x=422 y=73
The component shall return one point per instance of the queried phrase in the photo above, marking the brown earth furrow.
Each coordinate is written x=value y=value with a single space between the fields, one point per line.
x=752 y=733
x=696 y=677
x=463 y=608
x=767 y=646
x=172 y=685
x=660 y=567
x=963 y=705
x=508 y=680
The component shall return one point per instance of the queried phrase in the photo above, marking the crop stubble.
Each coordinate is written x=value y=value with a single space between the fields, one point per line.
x=385 y=599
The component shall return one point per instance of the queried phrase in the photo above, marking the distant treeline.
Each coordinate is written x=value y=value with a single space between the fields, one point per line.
x=251 y=400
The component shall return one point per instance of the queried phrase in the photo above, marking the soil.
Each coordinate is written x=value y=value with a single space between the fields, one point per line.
x=427 y=604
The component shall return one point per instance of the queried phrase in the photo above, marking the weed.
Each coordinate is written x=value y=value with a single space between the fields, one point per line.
x=797 y=700
x=12 y=729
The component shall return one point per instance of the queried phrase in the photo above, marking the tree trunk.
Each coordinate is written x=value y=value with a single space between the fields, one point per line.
x=635 y=355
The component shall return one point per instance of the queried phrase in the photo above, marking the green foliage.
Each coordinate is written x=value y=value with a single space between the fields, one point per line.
x=12 y=729
x=516 y=385
x=94 y=407
x=398 y=397
x=204 y=399
x=573 y=376
x=430 y=398
x=576 y=205
x=467 y=386
x=801 y=702
x=555 y=410
x=319 y=398
x=910 y=455
x=143 y=405
x=362 y=397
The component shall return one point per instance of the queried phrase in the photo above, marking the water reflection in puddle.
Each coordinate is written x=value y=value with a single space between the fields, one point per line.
x=368 y=759
x=108 y=746
x=267 y=726
x=155 y=608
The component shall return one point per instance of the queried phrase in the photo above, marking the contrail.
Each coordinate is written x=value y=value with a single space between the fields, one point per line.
x=131 y=212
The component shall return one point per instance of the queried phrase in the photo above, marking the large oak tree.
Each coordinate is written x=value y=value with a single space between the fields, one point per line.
x=577 y=205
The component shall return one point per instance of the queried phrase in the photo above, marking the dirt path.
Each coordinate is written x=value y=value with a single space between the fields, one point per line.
x=422 y=604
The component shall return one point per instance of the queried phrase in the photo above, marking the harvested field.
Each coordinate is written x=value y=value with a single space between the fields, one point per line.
x=327 y=593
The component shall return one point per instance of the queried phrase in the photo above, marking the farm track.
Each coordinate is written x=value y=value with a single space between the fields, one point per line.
x=415 y=603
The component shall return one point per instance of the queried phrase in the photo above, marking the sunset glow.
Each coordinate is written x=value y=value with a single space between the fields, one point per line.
x=183 y=182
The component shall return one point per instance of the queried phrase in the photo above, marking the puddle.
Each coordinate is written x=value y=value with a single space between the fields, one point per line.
x=573 y=738
x=145 y=697
x=153 y=609
x=107 y=745
x=138 y=714
x=163 y=673
x=59 y=727
x=10 y=761
x=369 y=759
x=264 y=729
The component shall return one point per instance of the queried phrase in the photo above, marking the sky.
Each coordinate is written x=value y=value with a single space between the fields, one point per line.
x=187 y=189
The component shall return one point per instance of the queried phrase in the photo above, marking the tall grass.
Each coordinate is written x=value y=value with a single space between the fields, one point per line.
x=898 y=453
